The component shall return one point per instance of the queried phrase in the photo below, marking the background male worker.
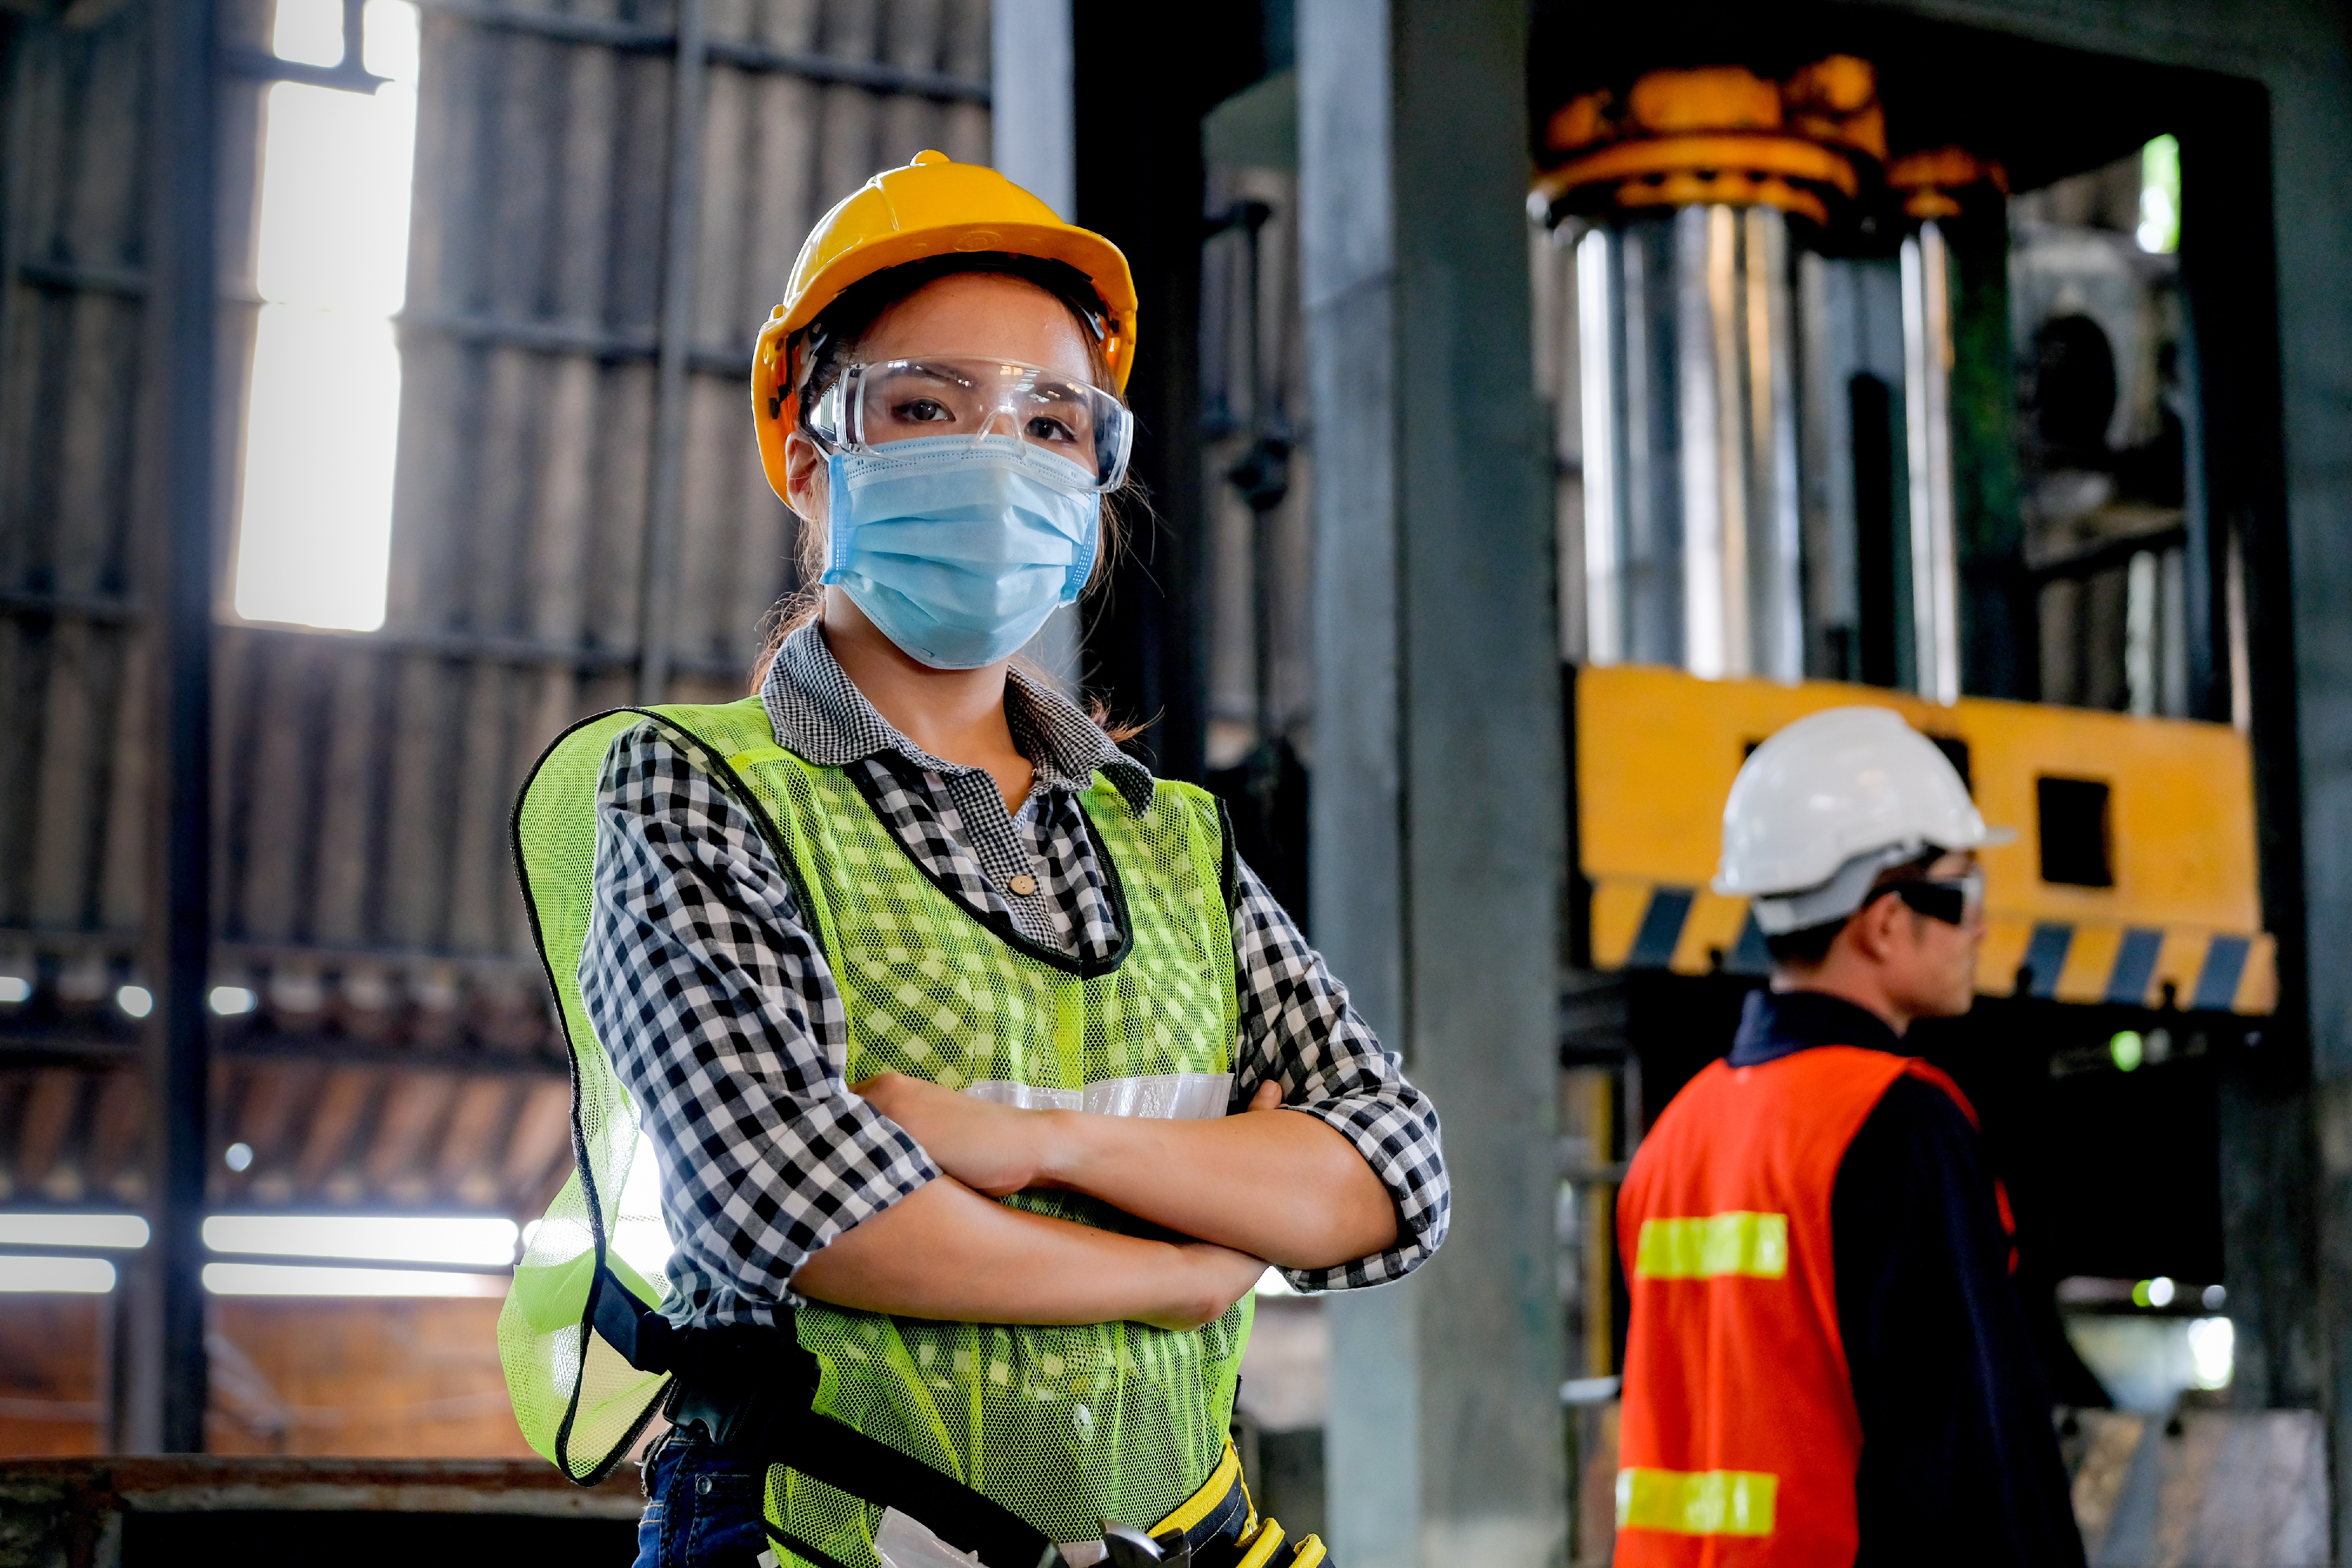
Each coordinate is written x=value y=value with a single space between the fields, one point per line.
x=1826 y=1363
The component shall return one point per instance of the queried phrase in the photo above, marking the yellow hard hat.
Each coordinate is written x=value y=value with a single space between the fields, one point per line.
x=933 y=206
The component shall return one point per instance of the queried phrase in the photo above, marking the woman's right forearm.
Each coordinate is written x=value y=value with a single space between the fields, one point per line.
x=946 y=1252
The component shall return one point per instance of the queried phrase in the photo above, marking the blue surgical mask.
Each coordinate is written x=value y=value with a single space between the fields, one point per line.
x=960 y=547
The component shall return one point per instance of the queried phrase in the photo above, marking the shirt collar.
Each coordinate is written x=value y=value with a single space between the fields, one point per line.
x=819 y=715
x=1776 y=1023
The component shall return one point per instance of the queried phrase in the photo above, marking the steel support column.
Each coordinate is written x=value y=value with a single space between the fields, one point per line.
x=168 y=1382
x=1151 y=71
x=1438 y=826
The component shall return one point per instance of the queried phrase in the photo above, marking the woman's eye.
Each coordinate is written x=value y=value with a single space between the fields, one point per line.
x=1041 y=429
x=922 y=411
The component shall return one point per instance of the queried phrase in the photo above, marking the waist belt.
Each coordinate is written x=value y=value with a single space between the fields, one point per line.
x=750 y=1388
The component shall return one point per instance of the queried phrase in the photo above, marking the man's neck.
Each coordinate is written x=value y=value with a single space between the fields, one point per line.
x=1847 y=984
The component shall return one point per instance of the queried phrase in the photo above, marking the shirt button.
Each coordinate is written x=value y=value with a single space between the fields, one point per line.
x=1023 y=884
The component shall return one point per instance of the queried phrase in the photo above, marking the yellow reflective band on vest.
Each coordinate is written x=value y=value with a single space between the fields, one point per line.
x=1713 y=1246
x=1704 y=1502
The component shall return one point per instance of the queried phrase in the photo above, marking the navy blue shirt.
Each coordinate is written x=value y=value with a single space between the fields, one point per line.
x=1960 y=1461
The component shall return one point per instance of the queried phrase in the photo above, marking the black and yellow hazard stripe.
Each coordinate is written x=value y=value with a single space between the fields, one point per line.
x=1641 y=924
x=2133 y=878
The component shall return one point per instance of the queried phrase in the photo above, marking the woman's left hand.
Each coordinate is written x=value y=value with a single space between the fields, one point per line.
x=990 y=1148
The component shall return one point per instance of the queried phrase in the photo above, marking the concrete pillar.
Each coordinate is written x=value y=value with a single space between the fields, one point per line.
x=1438 y=827
x=1032 y=137
x=1034 y=143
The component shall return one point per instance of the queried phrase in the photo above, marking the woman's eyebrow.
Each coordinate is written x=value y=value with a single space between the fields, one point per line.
x=935 y=374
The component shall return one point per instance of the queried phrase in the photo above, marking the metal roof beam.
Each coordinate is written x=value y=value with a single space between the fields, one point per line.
x=875 y=76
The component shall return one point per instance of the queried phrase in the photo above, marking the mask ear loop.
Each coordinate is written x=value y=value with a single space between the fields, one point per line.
x=1075 y=582
x=837 y=526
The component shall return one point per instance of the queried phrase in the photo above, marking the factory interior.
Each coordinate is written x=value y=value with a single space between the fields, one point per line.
x=1540 y=403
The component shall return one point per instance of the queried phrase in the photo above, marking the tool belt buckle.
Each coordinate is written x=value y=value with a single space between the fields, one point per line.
x=1129 y=1548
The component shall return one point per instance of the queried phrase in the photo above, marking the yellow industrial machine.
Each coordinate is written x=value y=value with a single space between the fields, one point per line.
x=1804 y=307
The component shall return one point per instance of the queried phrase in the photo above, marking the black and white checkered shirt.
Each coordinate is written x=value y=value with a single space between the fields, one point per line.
x=721 y=1017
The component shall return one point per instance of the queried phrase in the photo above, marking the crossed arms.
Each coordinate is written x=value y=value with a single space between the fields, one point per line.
x=1267 y=1185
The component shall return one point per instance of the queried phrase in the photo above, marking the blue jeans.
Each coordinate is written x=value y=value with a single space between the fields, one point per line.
x=704 y=1511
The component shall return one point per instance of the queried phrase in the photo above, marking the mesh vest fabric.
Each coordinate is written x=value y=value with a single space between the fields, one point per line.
x=576 y=1400
x=1064 y=1425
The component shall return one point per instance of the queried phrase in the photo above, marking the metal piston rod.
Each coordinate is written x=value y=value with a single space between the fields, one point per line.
x=1690 y=533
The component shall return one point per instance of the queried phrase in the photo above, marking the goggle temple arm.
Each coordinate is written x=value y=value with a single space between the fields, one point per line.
x=825 y=416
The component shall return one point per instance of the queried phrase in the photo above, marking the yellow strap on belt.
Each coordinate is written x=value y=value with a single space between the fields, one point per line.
x=1704 y=1502
x=1213 y=1492
x=1708 y=1248
x=1263 y=1543
x=1263 y=1546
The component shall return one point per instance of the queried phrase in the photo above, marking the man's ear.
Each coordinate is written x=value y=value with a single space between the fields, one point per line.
x=1872 y=930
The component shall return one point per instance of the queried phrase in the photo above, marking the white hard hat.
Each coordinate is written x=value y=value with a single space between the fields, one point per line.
x=1829 y=801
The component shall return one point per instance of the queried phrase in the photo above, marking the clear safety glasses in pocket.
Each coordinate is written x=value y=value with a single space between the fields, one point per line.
x=874 y=405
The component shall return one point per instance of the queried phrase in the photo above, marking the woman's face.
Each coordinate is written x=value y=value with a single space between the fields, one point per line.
x=968 y=315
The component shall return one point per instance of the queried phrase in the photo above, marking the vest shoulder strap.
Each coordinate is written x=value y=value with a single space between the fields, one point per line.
x=1927 y=1072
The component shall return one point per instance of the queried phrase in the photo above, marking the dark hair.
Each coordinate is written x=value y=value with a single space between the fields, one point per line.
x=824 y=348
x=1808 y=946
x=1812 y=945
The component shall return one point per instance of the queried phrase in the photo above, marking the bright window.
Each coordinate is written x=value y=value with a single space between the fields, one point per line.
x=314 y=536
x=2159 y=196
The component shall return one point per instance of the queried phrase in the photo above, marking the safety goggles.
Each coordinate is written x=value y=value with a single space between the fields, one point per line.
x=1955 y=902
x=874 y=405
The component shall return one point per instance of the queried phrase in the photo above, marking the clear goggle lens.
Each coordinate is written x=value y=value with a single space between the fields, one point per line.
x=895 y=400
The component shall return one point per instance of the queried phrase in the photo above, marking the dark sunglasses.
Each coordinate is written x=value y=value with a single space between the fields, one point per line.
x=1949 y=902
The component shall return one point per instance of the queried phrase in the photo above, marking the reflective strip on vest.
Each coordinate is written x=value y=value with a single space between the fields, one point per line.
x=1737 y=1242
x=1708 y=1502
x=1157 y=1096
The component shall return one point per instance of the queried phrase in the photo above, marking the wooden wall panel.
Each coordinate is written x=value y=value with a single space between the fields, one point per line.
x=393 y=1379
x=112 y=1164
x=50 y=1375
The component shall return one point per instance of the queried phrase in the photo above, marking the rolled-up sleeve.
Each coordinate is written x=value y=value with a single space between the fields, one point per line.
x=1297 y=1029
x=720 y=1014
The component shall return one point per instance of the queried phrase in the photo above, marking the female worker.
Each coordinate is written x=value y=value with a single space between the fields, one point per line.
x=931 y=1002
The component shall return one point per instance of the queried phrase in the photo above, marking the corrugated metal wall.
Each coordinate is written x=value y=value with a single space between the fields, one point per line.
x=401 y=1053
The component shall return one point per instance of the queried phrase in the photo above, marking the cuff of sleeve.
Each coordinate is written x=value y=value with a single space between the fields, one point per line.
x=872 y=1164
x=1399 y=1142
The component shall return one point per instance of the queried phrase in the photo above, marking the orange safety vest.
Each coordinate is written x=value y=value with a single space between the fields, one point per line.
x=1738 y=1440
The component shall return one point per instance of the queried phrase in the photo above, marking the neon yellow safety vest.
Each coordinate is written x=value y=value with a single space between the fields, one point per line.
x=1066 y=1427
